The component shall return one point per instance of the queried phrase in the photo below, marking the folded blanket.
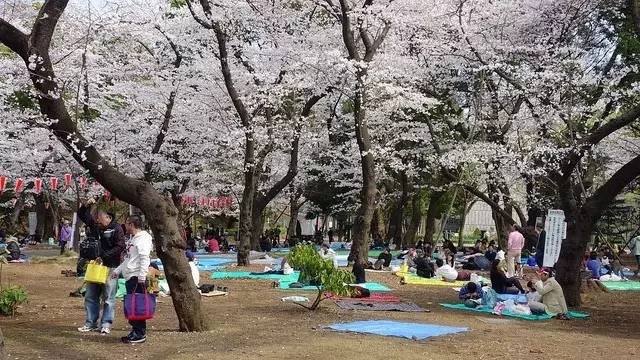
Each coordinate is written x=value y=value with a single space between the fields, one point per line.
x=488 y=310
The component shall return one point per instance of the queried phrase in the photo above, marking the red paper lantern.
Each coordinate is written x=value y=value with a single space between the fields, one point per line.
x=19 y=185
x=3 y=183
x=37 y=184
x=83 y=182
x=67 y=180
x=53 y=182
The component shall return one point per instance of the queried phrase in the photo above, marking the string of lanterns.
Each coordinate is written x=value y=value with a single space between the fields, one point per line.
x=217 y=202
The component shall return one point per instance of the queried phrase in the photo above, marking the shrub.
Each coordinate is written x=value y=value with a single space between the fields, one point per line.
x=314 y=270
x=10 y=298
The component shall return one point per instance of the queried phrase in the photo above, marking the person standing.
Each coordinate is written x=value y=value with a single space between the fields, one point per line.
x=134 y=269
x=514 y=249
x=65 y=235
x=110 y=238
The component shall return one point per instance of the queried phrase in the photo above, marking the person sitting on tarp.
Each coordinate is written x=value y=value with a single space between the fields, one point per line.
x=285 y=269
x=359 y=272
x=553 y=301
x=13 y=249
x=471 y=294
x=327 y=253
x=384 y=259
x=503 y=284
x=445 y=271
x=594 y=265
x=424 y=267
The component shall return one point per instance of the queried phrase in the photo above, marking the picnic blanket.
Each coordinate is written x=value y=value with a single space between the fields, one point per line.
x=622 y=285
x=355 y=304
x=406 y=330
x=247 y=275
x=413 y=279
x=488 y=310
x=374 y=297
x=371 y=286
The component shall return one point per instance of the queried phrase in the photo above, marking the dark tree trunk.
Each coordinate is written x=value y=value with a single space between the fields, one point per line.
x=294 y=208
x=416 y=217
x=45 y=218
x=257 y=227
x=432 y=215
x=569 y=264
x=463 y=219
x=245 y=223
x=159 y=211
x=397 y=215
x=2 y=354
x=378 y=224
x=368 y=194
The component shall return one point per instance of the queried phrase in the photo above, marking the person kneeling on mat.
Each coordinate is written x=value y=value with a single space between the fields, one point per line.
x=470 y=294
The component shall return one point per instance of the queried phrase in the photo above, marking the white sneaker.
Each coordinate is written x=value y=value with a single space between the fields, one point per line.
x=105 y=331
x=86 y=328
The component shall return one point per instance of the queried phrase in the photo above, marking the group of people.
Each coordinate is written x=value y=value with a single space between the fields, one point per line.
x=124 y=256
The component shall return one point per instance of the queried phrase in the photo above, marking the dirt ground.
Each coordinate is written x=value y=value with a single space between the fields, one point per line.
x=253 y=323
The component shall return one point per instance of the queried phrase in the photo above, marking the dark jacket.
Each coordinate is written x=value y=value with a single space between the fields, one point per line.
x=111 y=239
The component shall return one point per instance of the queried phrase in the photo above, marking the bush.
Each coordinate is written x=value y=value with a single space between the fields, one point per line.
x=10 y=298
x=314 y=270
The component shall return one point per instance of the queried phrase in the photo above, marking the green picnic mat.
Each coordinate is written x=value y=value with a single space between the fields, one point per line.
x=622 y=285
x=486 y=310
x=122 y=289
x=371 y=286
x=247 y=275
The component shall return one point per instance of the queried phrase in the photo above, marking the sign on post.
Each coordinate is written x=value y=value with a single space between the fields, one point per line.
x=556 y=230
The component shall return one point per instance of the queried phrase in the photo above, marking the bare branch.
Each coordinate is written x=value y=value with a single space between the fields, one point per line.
x=14 y=39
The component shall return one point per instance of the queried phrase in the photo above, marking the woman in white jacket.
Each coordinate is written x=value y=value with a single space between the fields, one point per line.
x=134 y=269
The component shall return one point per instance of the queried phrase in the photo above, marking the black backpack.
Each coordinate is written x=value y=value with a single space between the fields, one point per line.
x=90 y=248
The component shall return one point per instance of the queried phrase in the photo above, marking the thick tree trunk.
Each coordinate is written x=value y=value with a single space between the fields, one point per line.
x=257 y=226
x=170 y=246
x=245 y=223
x=569 y=264
x=432 y=214
x=416 y=217
x=368 y=194
x=293 y=217
x=45 y=219
x=2 y=354
x=159 y=211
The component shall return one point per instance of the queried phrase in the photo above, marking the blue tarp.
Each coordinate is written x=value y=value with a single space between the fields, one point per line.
x=415 y=331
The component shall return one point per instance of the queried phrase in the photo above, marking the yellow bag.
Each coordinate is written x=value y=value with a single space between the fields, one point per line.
x=96 y=273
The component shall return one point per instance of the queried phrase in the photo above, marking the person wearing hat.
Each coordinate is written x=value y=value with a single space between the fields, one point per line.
x=553 y=301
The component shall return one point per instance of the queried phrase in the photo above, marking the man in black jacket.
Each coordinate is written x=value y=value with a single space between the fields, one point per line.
x=111 y=240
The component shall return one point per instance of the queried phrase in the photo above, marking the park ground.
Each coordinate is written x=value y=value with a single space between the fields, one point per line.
x=253 y=323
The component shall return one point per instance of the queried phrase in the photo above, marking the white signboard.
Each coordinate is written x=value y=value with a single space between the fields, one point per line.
x=33 y=223
x=73 y=231
x=556 y=230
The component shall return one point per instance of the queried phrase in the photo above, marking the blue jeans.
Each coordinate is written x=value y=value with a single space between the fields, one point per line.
x=96 y=294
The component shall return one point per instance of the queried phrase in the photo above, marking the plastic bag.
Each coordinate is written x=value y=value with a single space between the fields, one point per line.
x=521 y=309
x=509 y=305
x=295 y=298
x=96 y=273
x=489 y=297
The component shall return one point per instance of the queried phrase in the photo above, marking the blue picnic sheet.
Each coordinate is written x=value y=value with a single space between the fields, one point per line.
x=406 y=330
